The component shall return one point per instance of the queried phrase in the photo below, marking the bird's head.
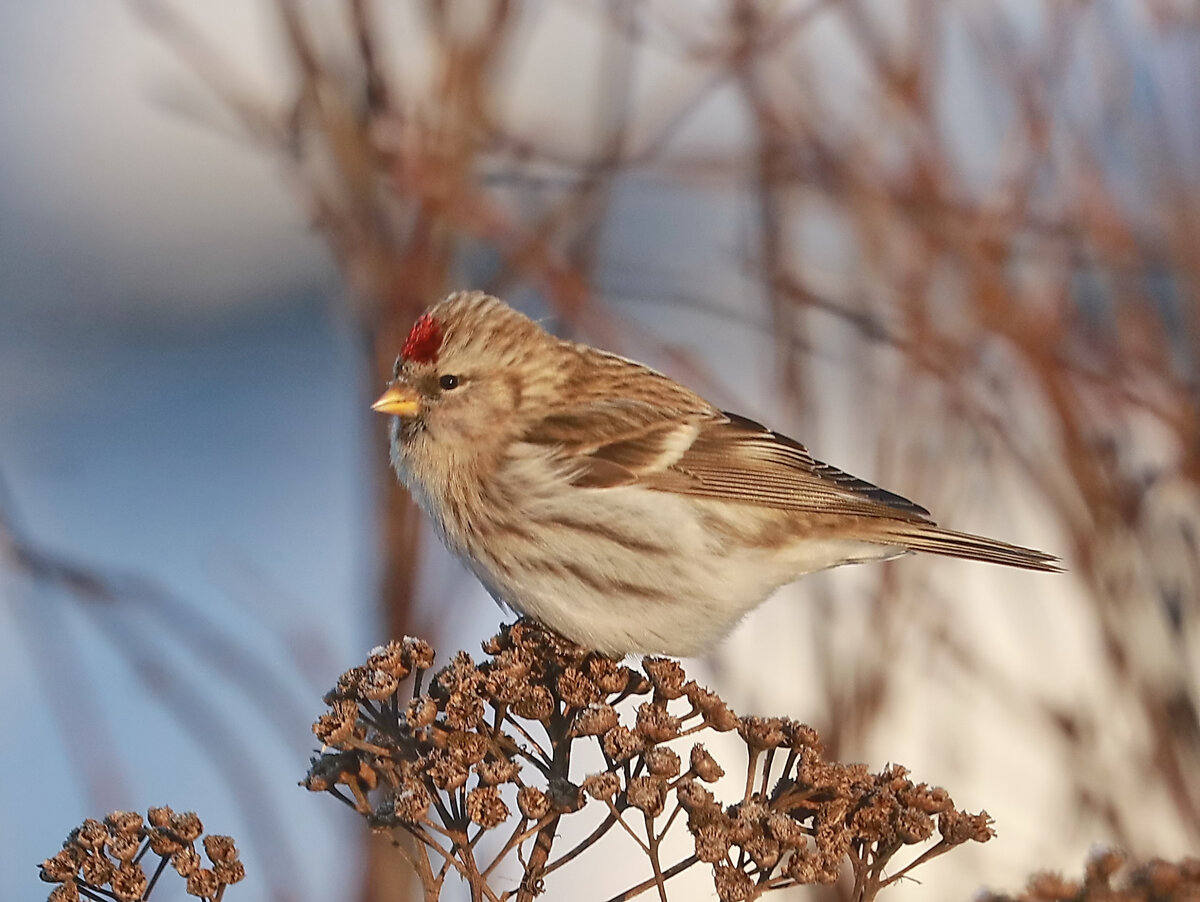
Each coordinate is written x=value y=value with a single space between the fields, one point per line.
x=465 y=375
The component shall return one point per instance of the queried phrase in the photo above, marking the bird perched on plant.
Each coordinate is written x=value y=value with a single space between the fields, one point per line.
x=612 y=503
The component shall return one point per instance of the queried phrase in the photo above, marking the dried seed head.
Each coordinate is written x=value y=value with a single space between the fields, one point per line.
x=712 y=841
x=203 y=882
x=67 y=892
x=507 y=678
x=496 y=771
x=418 y=654
x=594 y=720
x=703 y=764
x=958 y=827
x=123 y=848
x=717 y=715
x=378 y=684
x=496 y=645
x=464 y=710
x=872 y=822
x=230 y=872
x=91 y=835
x=159 y=816
x=732 y=884
x=186 y=825
x=603 y=785
x=1165 y=880
x=449 y=741
x=163 y=841
x=532 y=802
x=327 y=770
x=666 y=675
x=803 y=867
x=829 y=864
x=761 y=733
x=655 y=723
x=411 y=801
x=446 y=771
x=390 y=659
x=785 y=830
x=913 y=826
x=801 y=736
x=621 y=744
x=348 y=685
x=576 y=689
x=486 y=808
x=460 y=675
x=129 y=882
x=467 y=748
x=749 y=816
x=536 y=703
x=185 y=861
x=126 y=823
x=648 y=794
x=662 y=762
x=609 y=676
x=931 y=800
x=421 y=712
x=695 y=799
x=97 y=870
x=833 y=844
x=763 y=851
x=525 y=634
x=62 y=867
x=220 y=849
x=337 y=725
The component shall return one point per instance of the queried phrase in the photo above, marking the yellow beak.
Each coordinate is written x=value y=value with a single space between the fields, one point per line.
x=398 y=400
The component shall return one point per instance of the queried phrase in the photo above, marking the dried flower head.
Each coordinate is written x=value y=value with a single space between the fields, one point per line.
x=532 y=802
x=492 y=745
x=107 y=859
x=486 y=808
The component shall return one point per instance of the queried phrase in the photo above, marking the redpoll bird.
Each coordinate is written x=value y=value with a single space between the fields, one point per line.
x=611 y=503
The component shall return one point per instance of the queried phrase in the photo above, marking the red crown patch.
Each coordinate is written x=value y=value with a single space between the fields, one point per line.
x=424 y=341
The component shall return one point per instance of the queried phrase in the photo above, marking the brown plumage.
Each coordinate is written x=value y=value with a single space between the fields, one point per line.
x=613 y=503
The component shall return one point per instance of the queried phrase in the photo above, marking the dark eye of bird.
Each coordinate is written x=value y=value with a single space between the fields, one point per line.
x=448 y=382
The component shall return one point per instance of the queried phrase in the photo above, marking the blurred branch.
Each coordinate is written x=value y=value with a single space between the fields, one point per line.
x=120 y=605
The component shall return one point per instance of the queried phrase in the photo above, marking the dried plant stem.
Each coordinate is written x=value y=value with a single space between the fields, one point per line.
x=583 y=845
x=652 y=854
x=678 y=868
x=560 y=768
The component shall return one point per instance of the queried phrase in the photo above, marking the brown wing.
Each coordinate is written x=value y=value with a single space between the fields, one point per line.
x=741 y=460
x=702 y=452
x=617 y=442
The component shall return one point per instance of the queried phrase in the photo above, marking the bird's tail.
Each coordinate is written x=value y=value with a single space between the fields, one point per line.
x=935 y=540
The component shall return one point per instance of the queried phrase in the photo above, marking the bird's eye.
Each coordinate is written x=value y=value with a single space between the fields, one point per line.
x=448 y=382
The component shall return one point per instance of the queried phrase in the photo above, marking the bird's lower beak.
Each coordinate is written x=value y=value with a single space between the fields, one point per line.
x=399 y=400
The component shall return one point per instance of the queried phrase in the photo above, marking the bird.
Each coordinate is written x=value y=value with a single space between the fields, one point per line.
x=613 y=504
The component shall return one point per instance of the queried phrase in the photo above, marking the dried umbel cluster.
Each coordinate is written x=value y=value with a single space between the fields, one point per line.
x=490 y=745
x=1154 y=881
x=105 y=859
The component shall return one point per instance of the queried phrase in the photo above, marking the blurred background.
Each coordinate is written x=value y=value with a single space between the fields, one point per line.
x=951 y=246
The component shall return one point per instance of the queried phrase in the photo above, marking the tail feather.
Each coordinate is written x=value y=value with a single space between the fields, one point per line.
x=935 y=540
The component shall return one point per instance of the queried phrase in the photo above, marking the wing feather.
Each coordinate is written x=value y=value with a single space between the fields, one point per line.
x=702 y=452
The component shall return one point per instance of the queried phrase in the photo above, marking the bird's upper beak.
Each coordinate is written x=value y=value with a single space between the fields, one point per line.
x=399 y=400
